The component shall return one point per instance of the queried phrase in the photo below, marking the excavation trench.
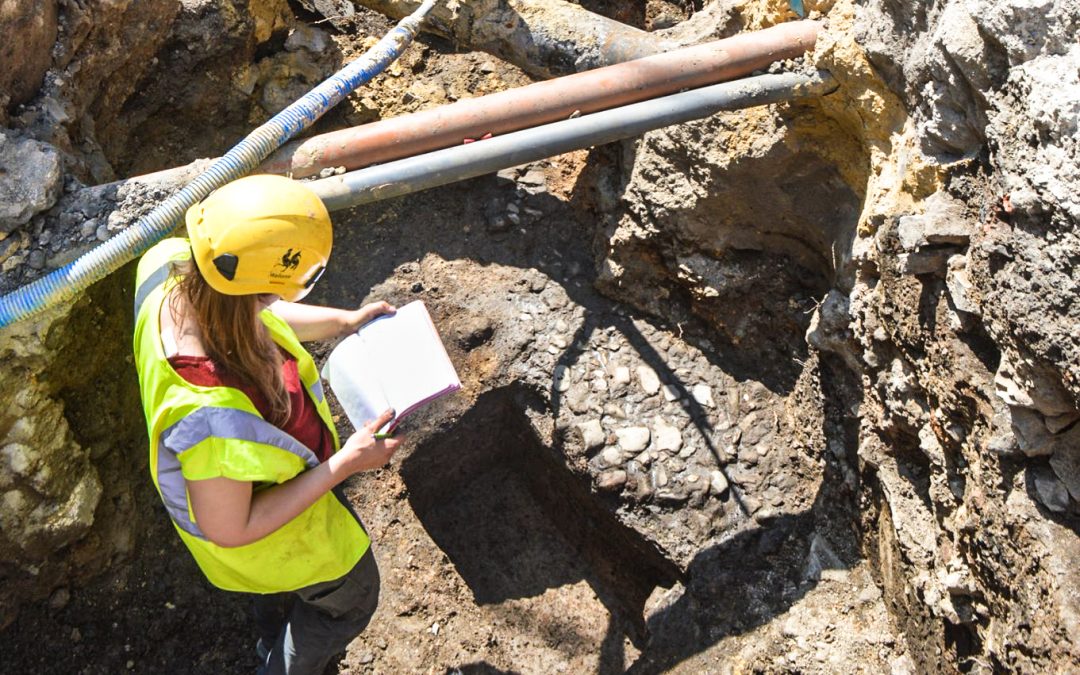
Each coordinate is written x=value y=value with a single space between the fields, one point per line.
x=506 y=541
x=516 y=522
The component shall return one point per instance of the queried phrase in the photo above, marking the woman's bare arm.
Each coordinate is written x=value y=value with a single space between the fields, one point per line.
x=314 y=322
x=231 y=514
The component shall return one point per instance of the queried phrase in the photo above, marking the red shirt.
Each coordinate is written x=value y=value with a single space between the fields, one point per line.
x=304 y=423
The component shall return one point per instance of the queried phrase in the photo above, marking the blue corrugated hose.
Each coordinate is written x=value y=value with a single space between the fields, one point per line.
x=71 y=279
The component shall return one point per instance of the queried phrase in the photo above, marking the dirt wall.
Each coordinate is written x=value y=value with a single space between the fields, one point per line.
x=927 y=213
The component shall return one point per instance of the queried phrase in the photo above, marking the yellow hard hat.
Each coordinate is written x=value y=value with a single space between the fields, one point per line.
x=261 y=234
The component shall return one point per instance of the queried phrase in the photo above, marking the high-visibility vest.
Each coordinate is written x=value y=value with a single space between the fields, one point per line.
x=198 y=433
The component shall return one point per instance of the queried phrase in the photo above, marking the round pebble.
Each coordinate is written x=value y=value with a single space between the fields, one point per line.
x=36 y=259
x=612 y=455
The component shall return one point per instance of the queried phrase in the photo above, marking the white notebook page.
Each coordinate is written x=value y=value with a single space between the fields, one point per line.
x=394 y=362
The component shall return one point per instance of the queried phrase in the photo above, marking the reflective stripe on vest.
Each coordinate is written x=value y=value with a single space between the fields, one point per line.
x=204 y=423
x=147 y=287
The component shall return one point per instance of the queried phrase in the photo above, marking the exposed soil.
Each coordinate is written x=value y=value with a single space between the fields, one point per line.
x=495 y=555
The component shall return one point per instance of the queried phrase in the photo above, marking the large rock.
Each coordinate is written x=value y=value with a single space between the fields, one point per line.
x=30 y=179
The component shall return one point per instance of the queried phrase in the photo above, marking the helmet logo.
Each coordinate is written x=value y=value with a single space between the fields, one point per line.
x=289 y=260
x=226 y=264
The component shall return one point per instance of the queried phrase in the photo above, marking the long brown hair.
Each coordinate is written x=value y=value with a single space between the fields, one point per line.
x=235 y=339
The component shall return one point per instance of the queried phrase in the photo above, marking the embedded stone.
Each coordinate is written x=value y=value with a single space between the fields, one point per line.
x=577 y=398
x=612 y=455
x=667 y=437
x=1056 y=423
x=671 y=392
x=1050 y=490
x=924 y=262
x=633 y=439
x=612 y=410
x=961 y=290
x=592 y=434
x=308 y=38
x=16 y=458
x=658 y=477
x=611 y=481
x=718 y=483
x=1066 y=465
x=561 y=378
x=649 y=380
x=34 y=187
x=702 y=393
x=621 y=375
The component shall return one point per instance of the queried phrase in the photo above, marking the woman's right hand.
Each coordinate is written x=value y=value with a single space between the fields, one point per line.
x=363 y=452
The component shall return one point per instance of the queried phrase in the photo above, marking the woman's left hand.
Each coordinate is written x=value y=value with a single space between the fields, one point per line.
x=359 y=317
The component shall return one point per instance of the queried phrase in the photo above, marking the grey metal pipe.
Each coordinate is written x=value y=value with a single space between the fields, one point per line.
x=441 y=167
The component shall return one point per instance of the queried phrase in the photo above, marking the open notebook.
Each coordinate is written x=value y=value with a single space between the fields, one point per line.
x=394 y=362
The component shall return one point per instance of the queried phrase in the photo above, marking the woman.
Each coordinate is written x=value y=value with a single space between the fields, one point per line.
x=243 y=450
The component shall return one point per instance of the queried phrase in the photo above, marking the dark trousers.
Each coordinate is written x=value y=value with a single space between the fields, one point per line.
x=307 y=627
x=304 y=629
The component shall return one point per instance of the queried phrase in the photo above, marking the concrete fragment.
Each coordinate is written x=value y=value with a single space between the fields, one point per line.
x=910 y=232
x=943 y=222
